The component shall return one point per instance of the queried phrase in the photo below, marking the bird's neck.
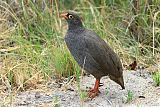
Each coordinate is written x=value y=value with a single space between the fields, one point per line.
x=75 y=28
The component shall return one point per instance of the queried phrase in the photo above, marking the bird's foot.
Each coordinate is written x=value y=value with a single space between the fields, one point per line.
x=93 y=93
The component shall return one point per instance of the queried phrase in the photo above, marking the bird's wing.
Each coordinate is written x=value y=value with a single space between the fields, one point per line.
x=102 y=54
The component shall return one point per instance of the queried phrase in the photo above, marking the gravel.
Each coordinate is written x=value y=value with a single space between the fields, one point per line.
x=139 y=83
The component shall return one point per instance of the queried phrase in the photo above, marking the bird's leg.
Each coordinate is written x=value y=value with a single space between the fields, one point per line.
x=95 y=91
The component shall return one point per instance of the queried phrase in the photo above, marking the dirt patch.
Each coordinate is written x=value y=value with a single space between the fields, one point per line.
x=138 y=82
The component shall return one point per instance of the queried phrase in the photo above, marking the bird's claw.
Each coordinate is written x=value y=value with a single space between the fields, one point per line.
x=93 y=93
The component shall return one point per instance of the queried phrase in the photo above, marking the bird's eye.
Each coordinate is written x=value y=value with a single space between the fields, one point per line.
x=70 y=16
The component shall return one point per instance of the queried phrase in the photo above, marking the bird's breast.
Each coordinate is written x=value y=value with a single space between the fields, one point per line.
x=76 y=47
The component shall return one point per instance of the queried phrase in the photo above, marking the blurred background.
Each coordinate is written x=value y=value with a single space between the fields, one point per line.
x=32 y=47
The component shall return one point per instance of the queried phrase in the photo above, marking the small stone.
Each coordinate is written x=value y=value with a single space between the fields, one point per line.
x=37 y=95
x=141 y=96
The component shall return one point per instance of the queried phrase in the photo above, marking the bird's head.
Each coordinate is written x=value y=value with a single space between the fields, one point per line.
x=73 y=19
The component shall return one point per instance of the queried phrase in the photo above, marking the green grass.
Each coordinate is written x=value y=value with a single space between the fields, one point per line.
x=56 y=102
x=38 y=36
x=129 y=96
x=156 y=78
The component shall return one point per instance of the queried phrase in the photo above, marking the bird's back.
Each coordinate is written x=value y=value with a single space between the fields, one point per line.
x=103 y=54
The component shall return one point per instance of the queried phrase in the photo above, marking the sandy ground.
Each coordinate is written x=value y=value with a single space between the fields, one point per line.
x=66 y=94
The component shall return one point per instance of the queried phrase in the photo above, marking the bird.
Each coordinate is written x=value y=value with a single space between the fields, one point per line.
x=91 y=52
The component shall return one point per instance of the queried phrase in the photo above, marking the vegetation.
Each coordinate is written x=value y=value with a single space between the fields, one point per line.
x=32 y=47
x=156 y=78
x=56 y=103
x=129 y=96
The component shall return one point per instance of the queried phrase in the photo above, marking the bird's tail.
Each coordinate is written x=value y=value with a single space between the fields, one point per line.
x=119 y=80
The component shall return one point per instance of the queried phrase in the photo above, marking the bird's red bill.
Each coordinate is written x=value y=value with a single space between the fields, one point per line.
x=64 y=15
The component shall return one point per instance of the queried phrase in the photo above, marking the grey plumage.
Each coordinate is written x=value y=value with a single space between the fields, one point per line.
x=86 y=45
